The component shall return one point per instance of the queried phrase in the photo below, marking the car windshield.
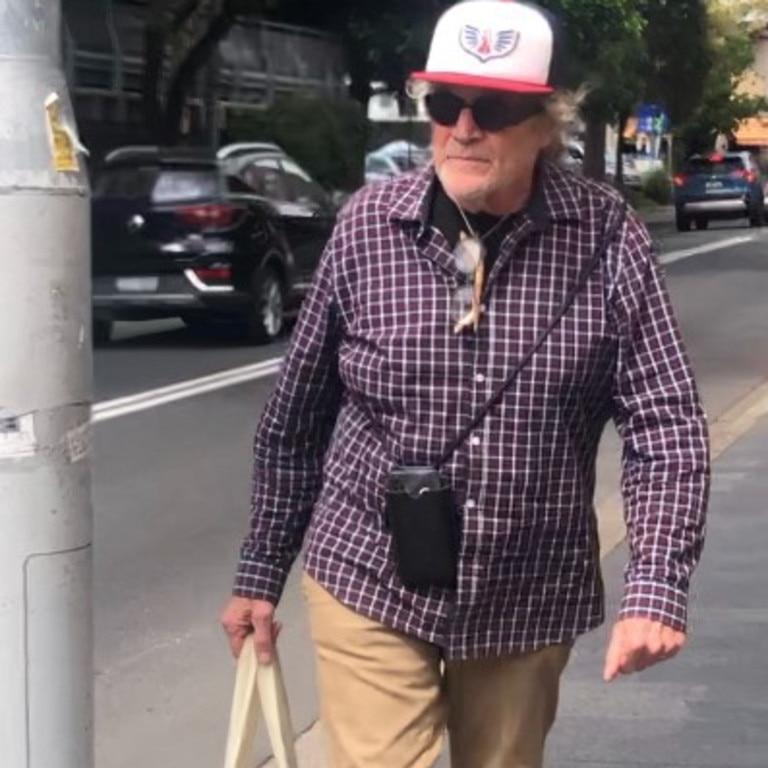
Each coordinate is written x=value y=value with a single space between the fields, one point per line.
x=176 y=185
x=377 y=165
x=714 y=166
x=161 y=185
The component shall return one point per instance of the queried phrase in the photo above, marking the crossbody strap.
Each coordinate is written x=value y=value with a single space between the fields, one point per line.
x=612 y=226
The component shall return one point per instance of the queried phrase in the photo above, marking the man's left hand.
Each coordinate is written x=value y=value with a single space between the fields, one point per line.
x=640 y=643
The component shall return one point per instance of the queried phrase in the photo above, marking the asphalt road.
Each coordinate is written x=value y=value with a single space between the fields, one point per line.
x=171 y=489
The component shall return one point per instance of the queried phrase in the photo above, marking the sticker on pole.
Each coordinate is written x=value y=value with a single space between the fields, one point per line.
x=79 y=443
x=62 y=137
x=17 y=436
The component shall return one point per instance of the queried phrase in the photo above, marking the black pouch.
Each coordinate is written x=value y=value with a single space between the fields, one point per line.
x=425 y=527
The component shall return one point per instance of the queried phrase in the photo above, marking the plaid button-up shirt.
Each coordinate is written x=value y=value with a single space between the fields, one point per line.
x=375 y=374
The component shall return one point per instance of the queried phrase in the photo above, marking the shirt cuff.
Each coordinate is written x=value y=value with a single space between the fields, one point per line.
x=656 y=601
x=259 y=581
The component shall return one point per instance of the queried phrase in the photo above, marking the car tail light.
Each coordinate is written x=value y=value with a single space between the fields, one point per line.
x=680 y=180
x=749 y=176
x=210 y=216
x=214 y=274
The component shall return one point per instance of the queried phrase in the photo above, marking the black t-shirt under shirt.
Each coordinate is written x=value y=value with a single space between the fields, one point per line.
x=446 y=217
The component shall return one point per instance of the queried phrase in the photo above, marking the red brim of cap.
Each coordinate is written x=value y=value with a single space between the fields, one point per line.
x=475 y=81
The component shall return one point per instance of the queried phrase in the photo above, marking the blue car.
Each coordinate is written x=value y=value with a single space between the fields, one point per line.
x=719 y=186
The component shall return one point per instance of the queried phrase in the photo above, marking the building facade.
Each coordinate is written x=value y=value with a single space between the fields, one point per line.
x=103 y=56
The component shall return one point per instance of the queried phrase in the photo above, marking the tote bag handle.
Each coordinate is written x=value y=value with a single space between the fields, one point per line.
x=259 y=691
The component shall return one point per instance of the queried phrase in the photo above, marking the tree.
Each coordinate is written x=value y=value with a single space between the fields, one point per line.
x=723 y=104
x=605 y=47
x=679 y=58
x=381 y=42
x=180 y=37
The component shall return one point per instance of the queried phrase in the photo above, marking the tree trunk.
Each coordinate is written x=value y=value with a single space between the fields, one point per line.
x=623 y=120
x=184 y=12
x=154 y=47
x=359 y=70
x=186 y=73
x=211 y=99
x=594 y=150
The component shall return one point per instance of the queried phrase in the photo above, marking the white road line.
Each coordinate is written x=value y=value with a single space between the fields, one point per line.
x=123 y=406
x=673 y=256
x=143 y=401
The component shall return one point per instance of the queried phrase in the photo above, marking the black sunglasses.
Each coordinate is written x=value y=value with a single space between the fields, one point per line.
x=492 y=112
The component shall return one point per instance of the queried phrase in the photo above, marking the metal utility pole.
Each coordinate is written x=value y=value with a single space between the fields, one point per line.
x=45 y=391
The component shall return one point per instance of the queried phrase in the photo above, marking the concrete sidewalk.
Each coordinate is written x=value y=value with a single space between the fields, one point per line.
x=709 y=707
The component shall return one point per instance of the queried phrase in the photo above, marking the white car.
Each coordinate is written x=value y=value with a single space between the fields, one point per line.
x=380 y=168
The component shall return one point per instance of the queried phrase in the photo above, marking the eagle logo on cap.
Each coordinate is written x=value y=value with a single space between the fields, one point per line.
x=487 y=44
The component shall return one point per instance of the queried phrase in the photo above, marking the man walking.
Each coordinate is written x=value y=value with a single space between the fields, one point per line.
x=432 y=439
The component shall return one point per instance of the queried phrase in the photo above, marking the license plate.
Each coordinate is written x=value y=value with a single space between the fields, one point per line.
x=137 y=284
x=714 y=185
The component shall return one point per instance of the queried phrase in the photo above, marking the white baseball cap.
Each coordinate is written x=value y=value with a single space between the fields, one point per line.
x=504 y=45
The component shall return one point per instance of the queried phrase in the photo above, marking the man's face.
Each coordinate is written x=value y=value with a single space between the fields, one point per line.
x=488 y=168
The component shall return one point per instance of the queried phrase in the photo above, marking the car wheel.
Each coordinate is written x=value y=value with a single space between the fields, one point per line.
x=702 y=224
x=101 y=331
x=266 y=316
x=682 y=222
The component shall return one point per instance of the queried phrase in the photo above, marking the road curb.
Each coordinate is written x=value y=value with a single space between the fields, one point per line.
x=664 y=214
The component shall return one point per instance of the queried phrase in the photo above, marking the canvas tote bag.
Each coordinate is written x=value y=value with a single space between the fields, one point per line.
x=259 y=691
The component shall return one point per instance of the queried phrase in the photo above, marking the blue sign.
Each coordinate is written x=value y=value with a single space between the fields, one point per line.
x=652 y=119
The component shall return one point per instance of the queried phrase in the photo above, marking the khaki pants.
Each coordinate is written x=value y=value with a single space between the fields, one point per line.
x=386 y=699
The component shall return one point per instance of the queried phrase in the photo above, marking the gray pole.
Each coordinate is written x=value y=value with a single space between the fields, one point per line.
x=46 y=639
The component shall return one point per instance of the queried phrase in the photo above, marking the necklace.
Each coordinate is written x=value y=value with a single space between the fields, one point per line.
x=470 y=251
x=469 y=257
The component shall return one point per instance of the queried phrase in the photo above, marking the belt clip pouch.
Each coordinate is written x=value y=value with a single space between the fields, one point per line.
x=425 y=527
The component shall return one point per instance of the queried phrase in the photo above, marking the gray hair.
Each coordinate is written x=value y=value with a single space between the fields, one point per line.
x=563 y=108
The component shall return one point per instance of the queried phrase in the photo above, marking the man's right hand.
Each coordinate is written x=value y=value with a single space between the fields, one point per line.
x=242 y=617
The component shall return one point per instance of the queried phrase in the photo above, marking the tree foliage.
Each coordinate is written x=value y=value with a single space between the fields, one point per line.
x=382 y=41
x=678 y=59
x=731 y=29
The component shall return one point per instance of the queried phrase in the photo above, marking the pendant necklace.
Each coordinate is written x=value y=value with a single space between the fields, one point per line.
x=469 y=257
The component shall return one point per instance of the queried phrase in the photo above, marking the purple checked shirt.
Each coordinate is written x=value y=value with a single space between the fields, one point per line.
x=375 y=374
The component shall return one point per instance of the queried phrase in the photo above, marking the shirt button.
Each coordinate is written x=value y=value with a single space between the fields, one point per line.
x=480 y=378
x=475 y=441
x=471 y=504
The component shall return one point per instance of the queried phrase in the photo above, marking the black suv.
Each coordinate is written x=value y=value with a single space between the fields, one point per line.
x=177 y=233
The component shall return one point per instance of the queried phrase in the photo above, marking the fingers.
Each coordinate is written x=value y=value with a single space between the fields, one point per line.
x=264 y=636
x=243 y=617
x=637 y=644
x=236 y=622
x=615 y=660
x=236 y=641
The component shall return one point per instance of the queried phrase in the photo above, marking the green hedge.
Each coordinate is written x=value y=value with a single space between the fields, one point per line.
x=327 y=137
x=657 y=187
